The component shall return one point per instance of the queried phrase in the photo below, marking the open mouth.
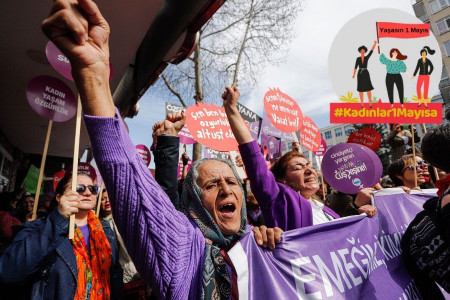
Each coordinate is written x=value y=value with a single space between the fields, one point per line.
x=310 y=179
x=227 y=209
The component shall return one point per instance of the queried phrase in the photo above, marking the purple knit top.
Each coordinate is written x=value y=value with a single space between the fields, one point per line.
x=281 y=206
x=167 y=249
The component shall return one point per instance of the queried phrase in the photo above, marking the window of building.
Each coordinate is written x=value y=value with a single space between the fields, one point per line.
x=327 y=135
x=447 y=47
x=348 y=129
x=438 y=5
x=443 y=25
x=338 y=132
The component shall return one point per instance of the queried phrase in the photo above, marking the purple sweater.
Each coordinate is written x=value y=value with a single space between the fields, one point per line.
x=281 y=206
x=167 y=249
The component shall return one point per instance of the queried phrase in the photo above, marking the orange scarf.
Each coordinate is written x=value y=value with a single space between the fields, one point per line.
x=93 y=273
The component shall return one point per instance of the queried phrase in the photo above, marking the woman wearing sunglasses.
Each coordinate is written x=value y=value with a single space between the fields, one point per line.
x=401 y=171
x=50 y=266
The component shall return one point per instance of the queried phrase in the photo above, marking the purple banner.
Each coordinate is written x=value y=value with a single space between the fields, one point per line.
x=350 y=258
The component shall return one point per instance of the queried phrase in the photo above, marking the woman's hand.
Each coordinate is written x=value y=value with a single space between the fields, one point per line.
x=68 y=203
x=364 y=197
x=370 y=210
x=267 y=237
x=230 y=99
x=171 y=125
x=79 y=30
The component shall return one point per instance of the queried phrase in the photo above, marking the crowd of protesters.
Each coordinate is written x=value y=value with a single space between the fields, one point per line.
x=165 y=237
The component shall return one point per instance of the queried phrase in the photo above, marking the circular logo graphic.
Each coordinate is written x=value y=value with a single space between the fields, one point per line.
x=356 y=182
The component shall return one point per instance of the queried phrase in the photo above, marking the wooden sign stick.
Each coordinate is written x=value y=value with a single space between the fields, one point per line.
x=321 y=178
x=75 y=164
x=41 y=170
x=434 y=169
x=97 y=209
x=414 y=155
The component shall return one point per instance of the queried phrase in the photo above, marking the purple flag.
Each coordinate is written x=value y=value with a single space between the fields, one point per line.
x=349 y=258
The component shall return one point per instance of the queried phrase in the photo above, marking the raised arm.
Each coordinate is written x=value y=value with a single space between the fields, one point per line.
x=166 y=249
x=383 y=59
x=166 y=154
x=262 y=181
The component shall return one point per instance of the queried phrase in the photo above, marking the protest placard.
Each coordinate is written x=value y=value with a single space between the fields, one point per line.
x=351 y=167
x=310 y=134
x=144 y=153
x=367 y=136
x=209 y=126
x=322 y=149
x=283 y=111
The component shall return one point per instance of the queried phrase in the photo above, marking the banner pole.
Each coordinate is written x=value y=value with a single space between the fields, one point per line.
x=97 y=209
x=323 y=181
x=41 y=170
x=75 y=164
x=414 y=155
x=378 y=40
x=434 y=169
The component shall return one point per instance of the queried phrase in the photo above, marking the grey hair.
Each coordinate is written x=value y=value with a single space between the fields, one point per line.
x=198 y=163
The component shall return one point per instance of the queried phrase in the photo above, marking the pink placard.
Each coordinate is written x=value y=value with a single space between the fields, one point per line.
x=185 y=136
x=62 y=64
x=310 y=134
x=209 y=126
x=282 y=111
x=322 y=148
x=51 y=98
x=144 y=153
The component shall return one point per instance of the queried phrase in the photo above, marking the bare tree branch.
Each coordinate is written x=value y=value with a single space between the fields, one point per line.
x=173 y=90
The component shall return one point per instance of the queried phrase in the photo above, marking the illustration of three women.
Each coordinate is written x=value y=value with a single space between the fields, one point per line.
x=395 y=65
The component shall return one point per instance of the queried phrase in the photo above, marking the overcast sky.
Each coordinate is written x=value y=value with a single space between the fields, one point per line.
x=303 y=76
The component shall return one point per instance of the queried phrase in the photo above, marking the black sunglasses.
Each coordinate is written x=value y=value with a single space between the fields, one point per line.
x=82 y=188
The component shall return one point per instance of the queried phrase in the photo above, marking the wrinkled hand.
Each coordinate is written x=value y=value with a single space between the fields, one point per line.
x=238 y=160
x=230 y=97
x=364 y=197
x=171 y=125
x=267 y=237
x=79 y=30
x=370 y=210
x=68 y=203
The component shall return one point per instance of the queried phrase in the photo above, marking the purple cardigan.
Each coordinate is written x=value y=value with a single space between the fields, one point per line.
x=167 y=249
x=281 y=206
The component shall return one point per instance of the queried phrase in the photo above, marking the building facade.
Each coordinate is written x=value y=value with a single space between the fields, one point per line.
x=437 y=13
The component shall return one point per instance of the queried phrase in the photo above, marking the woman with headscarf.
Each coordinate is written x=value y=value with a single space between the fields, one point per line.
x=425 y=68
x=364 y=84
x=181 y=255
x=50 y=266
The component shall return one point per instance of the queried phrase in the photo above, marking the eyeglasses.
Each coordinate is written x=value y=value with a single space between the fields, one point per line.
x=82 y=188
x=420 y=165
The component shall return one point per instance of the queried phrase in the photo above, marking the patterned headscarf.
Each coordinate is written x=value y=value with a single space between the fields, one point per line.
x=216 y=282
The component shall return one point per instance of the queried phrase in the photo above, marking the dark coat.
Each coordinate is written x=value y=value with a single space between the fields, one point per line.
x=41 y=264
